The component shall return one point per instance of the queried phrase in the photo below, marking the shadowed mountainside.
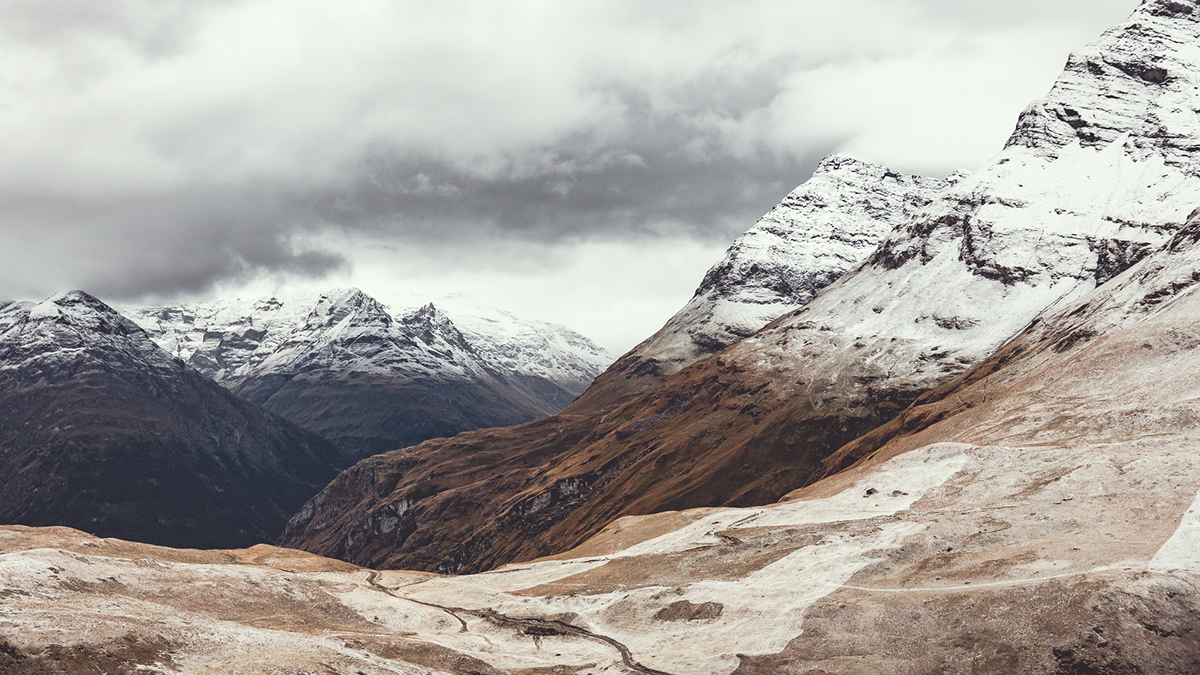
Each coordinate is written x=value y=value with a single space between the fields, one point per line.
x=103 y=431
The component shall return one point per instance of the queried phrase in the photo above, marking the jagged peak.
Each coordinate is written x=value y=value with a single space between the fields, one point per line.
x=82 y=310
x=1176 y=9
x=1135 y=83
x=429 y=324
x=838 y=163
x=336 y=305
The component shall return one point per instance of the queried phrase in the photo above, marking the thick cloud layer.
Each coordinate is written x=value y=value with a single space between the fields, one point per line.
x=159 y=148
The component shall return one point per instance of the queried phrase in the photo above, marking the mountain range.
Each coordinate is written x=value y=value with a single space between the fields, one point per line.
x=177 y=442
x=1096 y=176
x=341 y=365
x=105 y=432
x=973 y=452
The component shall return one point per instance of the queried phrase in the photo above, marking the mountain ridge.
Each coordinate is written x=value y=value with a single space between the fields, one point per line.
x=104 y=431
x=342 y=365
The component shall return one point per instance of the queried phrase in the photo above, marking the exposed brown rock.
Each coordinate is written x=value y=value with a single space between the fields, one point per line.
x=686 y=611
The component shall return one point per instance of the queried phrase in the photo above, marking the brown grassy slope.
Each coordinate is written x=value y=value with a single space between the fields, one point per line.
x=716 y=433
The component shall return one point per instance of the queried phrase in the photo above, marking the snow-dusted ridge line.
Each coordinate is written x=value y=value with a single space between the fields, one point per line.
x=816 y=234
x=1098 y=175
x=71 y=325
x=347 y=330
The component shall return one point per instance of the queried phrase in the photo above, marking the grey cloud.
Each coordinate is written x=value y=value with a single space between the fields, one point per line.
x=1095 y=15
x=663 y=172
x=216 y=176
x=172 y=243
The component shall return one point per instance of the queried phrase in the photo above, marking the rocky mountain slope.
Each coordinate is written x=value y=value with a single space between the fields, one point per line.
x=817 y=233
x=1038 y=514
x=343 y=366
x=1097 y=175
x=103 y=431
x=809 y=240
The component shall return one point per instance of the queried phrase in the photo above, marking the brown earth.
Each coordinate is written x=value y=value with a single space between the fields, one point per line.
x=714 y=434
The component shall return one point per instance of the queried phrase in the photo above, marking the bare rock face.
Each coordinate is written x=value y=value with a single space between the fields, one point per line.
x=342 y=366
x=104 y=431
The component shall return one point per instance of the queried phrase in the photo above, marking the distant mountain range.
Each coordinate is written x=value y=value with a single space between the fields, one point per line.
x=119 y=431
x=341 y=365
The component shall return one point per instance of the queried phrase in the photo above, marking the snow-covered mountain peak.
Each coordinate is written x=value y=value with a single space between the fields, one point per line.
x=371 y=378
x=230 y=340
x=74 y=328
x=342 y=305
x=512 y=344
x=430 y=325
x=817 y=233
x=1137 y=84
x=1098 y=175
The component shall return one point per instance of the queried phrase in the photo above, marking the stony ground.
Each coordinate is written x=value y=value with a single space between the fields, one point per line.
x=948 y=559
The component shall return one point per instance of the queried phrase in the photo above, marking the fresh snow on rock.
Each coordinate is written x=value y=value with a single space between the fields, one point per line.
x=74 y=327
x=810 y=239
x=1096 y=176
x=347 y=330
x=526 y=347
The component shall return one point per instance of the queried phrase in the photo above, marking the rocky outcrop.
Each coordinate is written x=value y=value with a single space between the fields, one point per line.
x=105 y=432
x=342 y=366
x=1041 y=225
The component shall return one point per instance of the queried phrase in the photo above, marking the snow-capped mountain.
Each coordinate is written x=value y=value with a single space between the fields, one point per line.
x=1036 y=515
x=528 y=348
x=104 y=431
x=70 y=330
x=810 y=239
x=340 y=364
x=1096 y=176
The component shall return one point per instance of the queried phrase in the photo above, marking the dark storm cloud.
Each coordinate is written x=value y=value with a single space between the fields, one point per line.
x=157 y=148
x=662 y=175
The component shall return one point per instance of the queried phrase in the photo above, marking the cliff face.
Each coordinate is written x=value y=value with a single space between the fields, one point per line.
x=105 y=432
x=1073 y=200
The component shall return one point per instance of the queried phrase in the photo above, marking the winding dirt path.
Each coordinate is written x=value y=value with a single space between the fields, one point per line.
x=536 y=627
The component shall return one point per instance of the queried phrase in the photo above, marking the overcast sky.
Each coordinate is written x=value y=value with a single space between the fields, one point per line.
x=577 y=161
